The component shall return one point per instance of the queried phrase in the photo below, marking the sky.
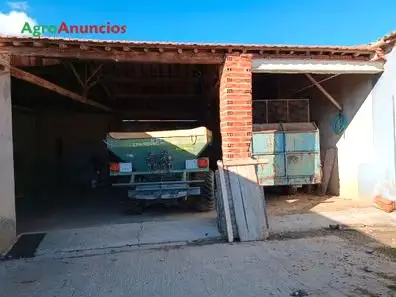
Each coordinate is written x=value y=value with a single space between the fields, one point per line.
x=305 y=22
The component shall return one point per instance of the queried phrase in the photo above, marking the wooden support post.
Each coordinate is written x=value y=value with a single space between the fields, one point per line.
x=7 y=189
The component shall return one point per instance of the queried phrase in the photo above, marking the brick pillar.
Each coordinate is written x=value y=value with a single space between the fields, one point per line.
x=7 y=192
x=236 y=107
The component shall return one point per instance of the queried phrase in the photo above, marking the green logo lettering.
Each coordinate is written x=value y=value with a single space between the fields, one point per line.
x=52 y=29
x=26 y=27
x=36 y=31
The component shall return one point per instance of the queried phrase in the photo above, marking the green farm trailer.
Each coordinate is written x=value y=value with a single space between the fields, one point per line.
x=163 y=165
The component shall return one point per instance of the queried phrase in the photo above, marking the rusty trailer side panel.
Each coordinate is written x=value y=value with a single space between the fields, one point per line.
x=303 y=168
x=295 y=162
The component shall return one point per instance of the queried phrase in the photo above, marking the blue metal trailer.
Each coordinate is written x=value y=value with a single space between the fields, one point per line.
x=292 y=151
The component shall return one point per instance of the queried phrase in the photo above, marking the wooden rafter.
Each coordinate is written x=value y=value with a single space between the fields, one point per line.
x=29 y=77
x=88 y=82
x=312 y=85
x=107 y=91
x=77 y=75
x=94 y=72
x=331 y=98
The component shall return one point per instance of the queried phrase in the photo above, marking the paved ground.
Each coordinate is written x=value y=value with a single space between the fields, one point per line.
x=319 y=266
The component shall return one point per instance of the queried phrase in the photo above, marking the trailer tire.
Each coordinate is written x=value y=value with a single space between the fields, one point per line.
x=292 y=190
x=206 y=201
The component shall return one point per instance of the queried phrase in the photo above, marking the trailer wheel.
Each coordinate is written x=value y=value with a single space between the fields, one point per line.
x=206 y=201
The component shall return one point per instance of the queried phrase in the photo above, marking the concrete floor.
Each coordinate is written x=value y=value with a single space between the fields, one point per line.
x=75 y=209
x=95 y=216
x=321 y=266
x=77 y=221
x=83 y=241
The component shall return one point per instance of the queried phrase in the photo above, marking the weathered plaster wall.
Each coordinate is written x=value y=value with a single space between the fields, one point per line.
x=355 y=146
x=7 y=192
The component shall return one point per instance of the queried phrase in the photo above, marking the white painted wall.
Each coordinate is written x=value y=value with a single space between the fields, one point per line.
x=366 y=152
x=383 y=114
x=356 y=151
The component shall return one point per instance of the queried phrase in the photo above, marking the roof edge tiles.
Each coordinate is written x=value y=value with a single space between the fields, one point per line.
x=362 y=52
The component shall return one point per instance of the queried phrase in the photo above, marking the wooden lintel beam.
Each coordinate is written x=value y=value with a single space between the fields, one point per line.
x=151 y=80
x=154 y=96
x=179 y=57
x=156 y=114
x=23 y=75
x=38 y=44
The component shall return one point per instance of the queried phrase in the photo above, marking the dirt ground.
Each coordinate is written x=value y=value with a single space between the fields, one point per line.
x=331 y=260
x=378 y=234
x=336 y=264
x=279 y=205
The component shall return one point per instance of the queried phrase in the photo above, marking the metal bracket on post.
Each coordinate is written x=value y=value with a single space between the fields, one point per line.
x=331 y=98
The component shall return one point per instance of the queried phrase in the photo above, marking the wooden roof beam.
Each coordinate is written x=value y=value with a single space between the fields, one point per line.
x=154 y=96
x=26 y=76
x=89 y=53
x=150 y=80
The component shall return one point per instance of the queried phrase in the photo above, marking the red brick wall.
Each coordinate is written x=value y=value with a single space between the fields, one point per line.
x=236 y=106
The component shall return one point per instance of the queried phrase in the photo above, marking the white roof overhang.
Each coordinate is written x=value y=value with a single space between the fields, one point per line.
x=290 y=66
